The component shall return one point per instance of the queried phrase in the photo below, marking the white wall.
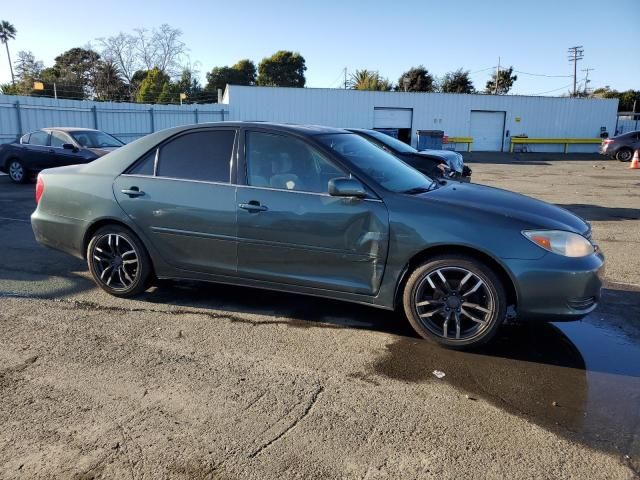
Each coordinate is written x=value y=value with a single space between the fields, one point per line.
x=539 y=116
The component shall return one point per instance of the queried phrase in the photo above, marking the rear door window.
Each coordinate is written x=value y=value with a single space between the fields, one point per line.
x=39 y=138
x=203 y=156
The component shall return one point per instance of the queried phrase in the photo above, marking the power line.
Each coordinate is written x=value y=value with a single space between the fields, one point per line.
x=542 y=74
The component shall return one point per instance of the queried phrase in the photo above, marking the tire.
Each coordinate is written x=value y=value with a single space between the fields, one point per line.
x=472 y=298
x=624 y=154
x=16 y=171
x=118 y=261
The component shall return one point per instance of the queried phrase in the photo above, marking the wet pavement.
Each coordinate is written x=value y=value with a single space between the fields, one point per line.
x=580 y=380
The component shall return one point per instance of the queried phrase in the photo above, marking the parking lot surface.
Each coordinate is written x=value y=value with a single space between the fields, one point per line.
x=199 y=380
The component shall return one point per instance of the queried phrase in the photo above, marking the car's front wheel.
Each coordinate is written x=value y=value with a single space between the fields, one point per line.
x=17 y=172
x=624 y=154
x=118 y=261
x=457 y=301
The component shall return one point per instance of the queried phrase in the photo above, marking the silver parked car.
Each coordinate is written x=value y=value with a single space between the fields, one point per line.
x=621 y=146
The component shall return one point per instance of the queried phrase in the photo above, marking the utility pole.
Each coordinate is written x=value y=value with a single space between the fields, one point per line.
x=345 y=78
x=586 y=78
x=495 y=90
x=575 y=54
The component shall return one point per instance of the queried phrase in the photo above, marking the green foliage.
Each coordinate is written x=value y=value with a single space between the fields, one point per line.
x=108 y=82
x=457 y=82
x=74 y=72
x=151 y=87
x=416 y=79
x=626 y=99
x=505 y=82
x=189 y=85
x=369 y=80
x=167 y=95
x=242 y=73
x=282 y=69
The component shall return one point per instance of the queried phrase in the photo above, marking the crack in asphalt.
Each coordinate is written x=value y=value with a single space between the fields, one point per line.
x=312 y=401
x=93 y=306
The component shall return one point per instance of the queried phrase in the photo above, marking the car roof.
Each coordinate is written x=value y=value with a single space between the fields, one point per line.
x=285 y=127
x=71 y=129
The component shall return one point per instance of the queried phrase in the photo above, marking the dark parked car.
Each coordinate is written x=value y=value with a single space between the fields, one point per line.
x=622 y=146
x=53 y=147
x=426 y=161
x=319 y=211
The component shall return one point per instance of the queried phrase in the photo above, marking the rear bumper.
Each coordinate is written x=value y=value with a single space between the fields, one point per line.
x=556 y=288
x=61 y=233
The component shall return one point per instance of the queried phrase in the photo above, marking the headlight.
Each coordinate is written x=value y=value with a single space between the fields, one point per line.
x=563 y=243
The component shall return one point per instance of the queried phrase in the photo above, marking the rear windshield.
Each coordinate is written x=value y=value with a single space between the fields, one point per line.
x=386 y=169
x=394 y=143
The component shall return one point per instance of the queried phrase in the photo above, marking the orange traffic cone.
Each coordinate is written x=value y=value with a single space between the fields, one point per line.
x=635 y=162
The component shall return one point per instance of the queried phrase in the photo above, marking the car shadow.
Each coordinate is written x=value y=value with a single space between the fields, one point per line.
x=599 y=213
x=578 y=379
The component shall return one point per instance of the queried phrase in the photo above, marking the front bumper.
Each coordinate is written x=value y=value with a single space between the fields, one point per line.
x=557 y=288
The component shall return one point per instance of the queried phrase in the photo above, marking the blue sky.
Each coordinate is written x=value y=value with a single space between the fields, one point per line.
x=388 y=36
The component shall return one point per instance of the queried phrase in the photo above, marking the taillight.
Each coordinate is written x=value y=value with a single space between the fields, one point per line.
x=608 y=141
x=39 y=188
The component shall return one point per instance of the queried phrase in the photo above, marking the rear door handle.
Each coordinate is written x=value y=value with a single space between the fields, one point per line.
x=133 y=192
x=253 y=206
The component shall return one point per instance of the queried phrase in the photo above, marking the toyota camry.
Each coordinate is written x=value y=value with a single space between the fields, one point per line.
x=319 y=211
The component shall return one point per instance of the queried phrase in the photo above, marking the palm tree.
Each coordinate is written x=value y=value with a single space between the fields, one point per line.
x=8 y=32
x=368 y=80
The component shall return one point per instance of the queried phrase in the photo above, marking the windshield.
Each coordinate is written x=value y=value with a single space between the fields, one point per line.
x=95 y=139
x=389 y=141
x=390 y=172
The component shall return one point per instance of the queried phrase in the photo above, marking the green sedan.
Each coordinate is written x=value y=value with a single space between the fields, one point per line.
x=319 y=211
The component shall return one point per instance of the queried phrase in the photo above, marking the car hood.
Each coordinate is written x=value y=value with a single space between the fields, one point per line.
x=100 y=152
x=531 y=212
x=452 y=159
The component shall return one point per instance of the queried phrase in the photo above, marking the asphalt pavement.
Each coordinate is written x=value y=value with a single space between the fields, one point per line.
x=195 y=380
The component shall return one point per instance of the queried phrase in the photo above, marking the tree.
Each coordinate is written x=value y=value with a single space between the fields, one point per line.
x=27 y=70
x=626 y=100
x=120 y=50
x=416 y=79
x=368 y=80
x=8 y=32
x=167 y=94
x=161 y=48
x=151 y=87
x=189 y=85
x=282 y=69
x=109 y=85
x=505 y=82
x=242 y=73
x=76 y=71
x=457 y=82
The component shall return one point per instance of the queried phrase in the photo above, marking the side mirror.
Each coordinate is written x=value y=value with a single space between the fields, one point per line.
x=346 y=187
x=69 y=146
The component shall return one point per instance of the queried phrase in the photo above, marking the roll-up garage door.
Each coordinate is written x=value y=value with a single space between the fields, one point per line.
x=487 y=130
x=392 y=117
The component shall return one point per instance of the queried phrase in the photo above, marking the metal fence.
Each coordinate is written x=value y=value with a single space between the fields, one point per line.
x=127 y=121
x=627 y=124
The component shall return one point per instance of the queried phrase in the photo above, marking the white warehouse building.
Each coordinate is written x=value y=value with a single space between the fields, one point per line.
x=489 y=119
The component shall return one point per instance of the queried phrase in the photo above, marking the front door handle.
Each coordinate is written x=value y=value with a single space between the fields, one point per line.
x=253 y=206
x=133 y=192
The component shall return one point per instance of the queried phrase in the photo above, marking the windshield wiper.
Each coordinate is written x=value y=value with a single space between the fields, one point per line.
x=418 y=190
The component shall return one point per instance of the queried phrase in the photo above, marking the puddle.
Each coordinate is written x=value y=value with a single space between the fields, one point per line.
x=577 y=379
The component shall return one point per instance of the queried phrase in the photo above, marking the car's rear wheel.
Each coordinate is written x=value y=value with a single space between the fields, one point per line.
x=457 y=301
x=118 y=261
x=624 y=154
x=17 y=172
